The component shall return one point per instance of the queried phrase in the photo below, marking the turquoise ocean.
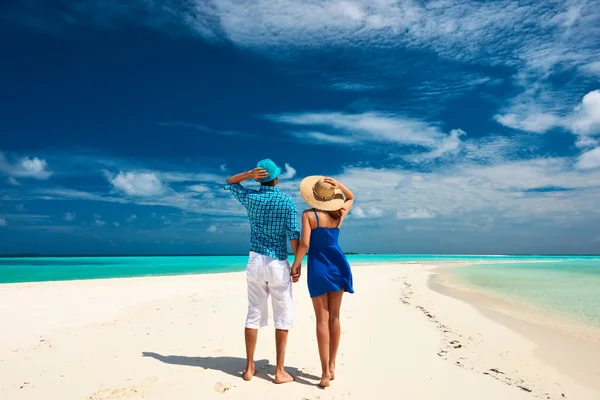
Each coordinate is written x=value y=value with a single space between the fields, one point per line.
x=568 y=286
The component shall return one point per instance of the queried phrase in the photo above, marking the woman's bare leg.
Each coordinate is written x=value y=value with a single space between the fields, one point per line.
x=334 y=302
x=321 y=307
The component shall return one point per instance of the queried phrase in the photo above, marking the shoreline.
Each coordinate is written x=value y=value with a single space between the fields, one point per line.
x=181 y=337
x=242 y=268
x=567 y=345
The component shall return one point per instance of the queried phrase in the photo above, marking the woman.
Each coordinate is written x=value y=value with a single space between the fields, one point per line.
x=329 y=274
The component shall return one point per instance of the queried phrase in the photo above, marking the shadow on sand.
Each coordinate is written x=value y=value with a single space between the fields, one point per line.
x=233 y=366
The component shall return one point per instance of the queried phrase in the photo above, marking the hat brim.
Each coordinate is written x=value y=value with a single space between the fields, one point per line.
x=272 y=176
x=306 y=191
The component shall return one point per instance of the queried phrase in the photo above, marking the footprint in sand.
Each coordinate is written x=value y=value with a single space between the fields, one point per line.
x=115 y=393
x=221 y=387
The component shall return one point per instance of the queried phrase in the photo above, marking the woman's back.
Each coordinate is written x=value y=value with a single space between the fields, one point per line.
x=328 y=268
x=325 y=232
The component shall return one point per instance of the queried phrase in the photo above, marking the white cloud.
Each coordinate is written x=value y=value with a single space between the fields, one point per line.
x=586 y=118
x=538 y=35
x=20 y=207
x=116 y=224
x=369 y=212
x=590 y=159
x=450 y=145
x=138 y=183
x=584 y=142
x=70 y=216
x=530 y=114
x=179 y=177
x=373 y=127
x=131 y=218
x=509 y=190
x=199 y=188
x=99 y=222
x=323 y=138
x=223 y=167
x=24 y=167
x=288 y=173
x=358 y=212
x=353 y=87
x=198 y=127
x=414 y=214
x=592 y=68
x=529 y=121
x=211 y=229
x=13 y=181
x=2 y=222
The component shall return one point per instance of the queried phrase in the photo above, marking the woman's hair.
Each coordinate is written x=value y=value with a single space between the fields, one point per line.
x=337 y=214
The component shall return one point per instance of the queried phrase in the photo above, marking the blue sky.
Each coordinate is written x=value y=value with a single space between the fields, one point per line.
x=462 y=126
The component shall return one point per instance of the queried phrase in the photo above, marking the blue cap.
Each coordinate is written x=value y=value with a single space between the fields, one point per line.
x=272 y=169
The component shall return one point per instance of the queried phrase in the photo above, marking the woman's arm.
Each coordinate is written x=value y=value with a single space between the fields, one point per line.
x=347 y=194
x=302 y=247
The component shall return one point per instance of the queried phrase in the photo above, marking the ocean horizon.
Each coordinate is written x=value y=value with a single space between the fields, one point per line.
x=565 y=285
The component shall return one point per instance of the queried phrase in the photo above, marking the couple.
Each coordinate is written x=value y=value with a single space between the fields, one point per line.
x=273 y=222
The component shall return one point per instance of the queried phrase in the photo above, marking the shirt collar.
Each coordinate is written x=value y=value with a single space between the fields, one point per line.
x=269 y=189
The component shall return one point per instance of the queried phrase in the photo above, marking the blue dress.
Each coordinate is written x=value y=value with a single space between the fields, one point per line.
x=328 y=268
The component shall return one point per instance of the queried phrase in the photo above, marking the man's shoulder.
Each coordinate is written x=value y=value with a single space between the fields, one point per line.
x=287 y=198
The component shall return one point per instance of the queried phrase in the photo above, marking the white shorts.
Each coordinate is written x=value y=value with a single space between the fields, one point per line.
x=269 y=276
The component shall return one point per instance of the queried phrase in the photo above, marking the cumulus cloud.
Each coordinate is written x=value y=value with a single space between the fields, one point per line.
x=211 y=229
x=137 y=183
x=589 y=159
x=528 y=115
x=131 y=218
x=20 y=207
x=369 y=212
x=24 y=167
x=70 y=216
x=99 y=222
x=2 y=222
x=586 y=118
x=199 y=188
x=288 y=172
x=116 y=224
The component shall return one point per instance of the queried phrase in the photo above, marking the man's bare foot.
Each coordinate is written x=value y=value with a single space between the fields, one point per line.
x=325 y=381
x=249 y=373
x=283 y=377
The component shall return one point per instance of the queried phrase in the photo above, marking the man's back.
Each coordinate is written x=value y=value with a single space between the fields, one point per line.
x=272 y=215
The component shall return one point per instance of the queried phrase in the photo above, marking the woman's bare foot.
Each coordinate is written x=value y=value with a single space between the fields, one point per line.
x=249 y=372
x=283 y=377
x=325 y=381
x=332 y=372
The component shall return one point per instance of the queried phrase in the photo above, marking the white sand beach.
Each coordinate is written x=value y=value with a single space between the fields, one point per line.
x=181 y=337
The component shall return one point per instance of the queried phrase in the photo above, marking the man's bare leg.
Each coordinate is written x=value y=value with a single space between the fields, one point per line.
x=321 y=307
x=334 y=301
x=250 y=335
x=280 y=343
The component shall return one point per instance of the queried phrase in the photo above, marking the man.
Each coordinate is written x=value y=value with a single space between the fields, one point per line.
x=273 y=221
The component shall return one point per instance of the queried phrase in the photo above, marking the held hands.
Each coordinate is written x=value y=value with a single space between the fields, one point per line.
x=258 y=173
x=296 y=272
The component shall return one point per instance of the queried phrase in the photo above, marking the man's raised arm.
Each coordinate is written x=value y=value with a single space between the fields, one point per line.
x=256 y=174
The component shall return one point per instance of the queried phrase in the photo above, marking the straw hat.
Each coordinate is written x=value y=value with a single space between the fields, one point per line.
x=321 y=195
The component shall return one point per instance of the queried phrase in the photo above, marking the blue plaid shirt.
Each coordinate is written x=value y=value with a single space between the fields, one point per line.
x=273 y=219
